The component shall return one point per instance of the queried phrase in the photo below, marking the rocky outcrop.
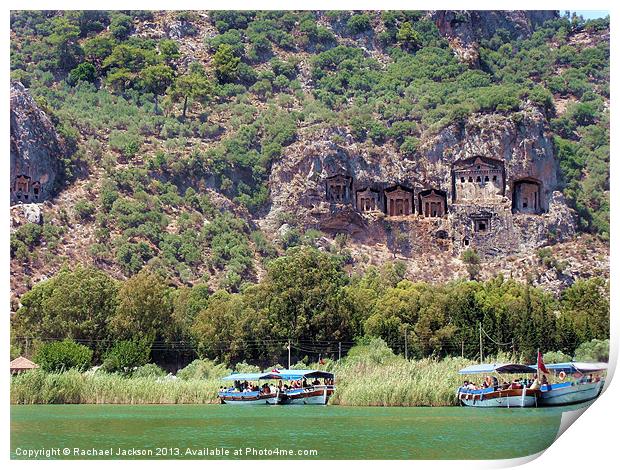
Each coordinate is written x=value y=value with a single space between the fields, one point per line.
x=464 y=29
x=496 y=223
x=36 y=149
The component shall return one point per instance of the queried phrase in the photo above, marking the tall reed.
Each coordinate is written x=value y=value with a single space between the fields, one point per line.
x=38 y=387
x=370 y=375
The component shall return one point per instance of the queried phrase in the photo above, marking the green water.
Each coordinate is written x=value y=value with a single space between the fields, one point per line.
x=334 y=432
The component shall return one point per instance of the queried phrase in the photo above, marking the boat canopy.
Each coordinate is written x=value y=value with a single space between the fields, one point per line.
x=282 y=374
x=500 y=368
x=251 y=376
x=293 y=374
x=572 y=367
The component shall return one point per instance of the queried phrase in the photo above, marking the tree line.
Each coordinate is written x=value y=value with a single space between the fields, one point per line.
x=307 y=297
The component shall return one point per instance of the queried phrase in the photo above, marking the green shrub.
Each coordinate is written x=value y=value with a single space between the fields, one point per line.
x=358 y=23
x=554 y=357
x=596 y=350
x=85 y=72
x=125 y=142
x=63 y=355
x=472 y=262
x=226 y=64
x=84 y=209
x=203 y=369
x=149 y=370
x=121 y=25
x=127 y=356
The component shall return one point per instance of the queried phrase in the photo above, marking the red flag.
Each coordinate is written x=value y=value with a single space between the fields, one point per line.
x=541 y=364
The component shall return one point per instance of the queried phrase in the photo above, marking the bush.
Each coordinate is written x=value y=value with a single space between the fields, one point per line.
x=127 y=143
x=84 y=209
x=120 y=26
x=63 y=355
x=85 y=72
x=593 y=351
x=149 y=370
x=127 y=356
x=226 y=64
x=358 y=23
x=203 y=369
x=553 y=357
x=472 y=263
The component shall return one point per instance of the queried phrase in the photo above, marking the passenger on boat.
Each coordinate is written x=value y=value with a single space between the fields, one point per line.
x=544 y=380
x=304 y=384
x=535 y=385
x=316 y=382
x=515 y=385
x=471 y=386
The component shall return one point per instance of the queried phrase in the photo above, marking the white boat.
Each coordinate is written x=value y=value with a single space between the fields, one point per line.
x=585 y=383
x=498 y=396
x=239 y=394
x=307 y=389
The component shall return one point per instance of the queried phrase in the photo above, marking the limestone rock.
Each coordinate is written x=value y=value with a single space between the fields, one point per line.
x=36 y=149
x=464 y=29
x=32 y=213
x=347 y=187
x=180 y=29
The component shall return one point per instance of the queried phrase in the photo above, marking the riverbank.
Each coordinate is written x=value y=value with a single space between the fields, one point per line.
x=370 y=375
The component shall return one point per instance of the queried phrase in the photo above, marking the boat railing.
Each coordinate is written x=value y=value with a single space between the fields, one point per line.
x=309 y=387
x=237 y=393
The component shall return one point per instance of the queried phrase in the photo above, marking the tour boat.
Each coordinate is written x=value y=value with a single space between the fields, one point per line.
x=584 y=383
x=497 y=396
x=306 y=392
x=237 y=396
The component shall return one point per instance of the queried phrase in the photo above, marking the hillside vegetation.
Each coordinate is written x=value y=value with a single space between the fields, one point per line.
x=165 y=132
x=174 y=120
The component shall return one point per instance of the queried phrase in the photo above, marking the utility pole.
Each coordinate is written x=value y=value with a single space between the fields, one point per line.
x=339 y=349
x=289 y=353
x=480 y=327
x=406 y=355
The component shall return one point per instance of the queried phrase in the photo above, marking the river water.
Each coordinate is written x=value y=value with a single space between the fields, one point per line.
x=310 y=432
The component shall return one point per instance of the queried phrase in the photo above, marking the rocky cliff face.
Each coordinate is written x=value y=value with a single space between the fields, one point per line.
x=36 y=149
x=490 y=183
x=464 y=29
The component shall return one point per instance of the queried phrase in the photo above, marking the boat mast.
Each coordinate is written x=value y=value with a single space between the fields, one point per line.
x=480 y=330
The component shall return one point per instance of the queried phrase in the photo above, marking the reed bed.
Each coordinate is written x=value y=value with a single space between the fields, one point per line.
x=370 y=375
x=73 y=387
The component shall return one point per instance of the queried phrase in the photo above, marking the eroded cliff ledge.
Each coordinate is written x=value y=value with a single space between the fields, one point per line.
x=489 y=183
x=36 y=149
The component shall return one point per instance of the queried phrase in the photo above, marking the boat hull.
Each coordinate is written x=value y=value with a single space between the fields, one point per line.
x=245 y=399
x=489 y=398
x=317 y=395
x=569 y=393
